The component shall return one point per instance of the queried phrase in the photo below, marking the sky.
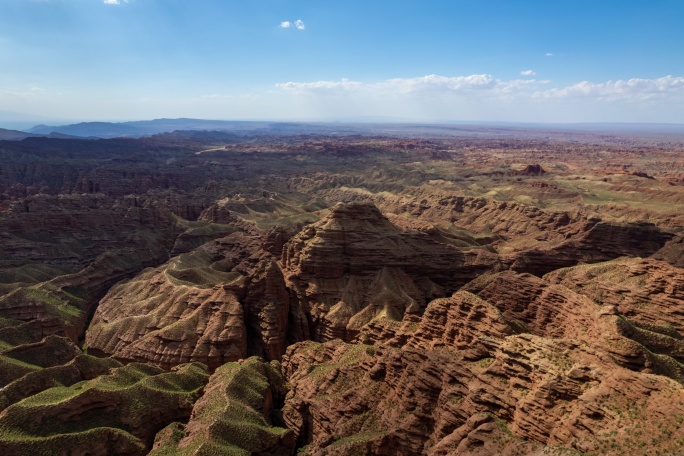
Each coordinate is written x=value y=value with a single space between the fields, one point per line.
x=554 y=61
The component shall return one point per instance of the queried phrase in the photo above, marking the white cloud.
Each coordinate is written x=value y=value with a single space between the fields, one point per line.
x=424 y=86
x=330 y=87
x=298 y=24
x=634 y=89
x=438 y=84
x=528 y=73
x=549 y=54
x=485 y=85
x=484 y=97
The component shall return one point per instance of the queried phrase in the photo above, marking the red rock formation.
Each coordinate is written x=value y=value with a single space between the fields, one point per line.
x=355 y=267
x=601 y=242
x=533 y=394
x=533 y=170
x=213 y=305
x=534 y=305
x=460 y=322
x=648 y=292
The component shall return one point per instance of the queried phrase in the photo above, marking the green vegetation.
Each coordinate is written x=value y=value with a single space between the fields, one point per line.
x=233 y=416
x=196 y=269
x=82 y=367
x=351 y=441
x=132 y=402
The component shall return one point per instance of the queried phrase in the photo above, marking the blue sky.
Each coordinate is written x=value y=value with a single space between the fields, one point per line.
x=530 y=61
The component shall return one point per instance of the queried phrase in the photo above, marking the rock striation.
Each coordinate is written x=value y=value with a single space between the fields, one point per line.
x=355 y=267
x=647 y=291
x=601 y=242
x=532 y=395
x=216 y=304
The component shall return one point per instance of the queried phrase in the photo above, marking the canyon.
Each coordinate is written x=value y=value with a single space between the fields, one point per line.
x=303 y=290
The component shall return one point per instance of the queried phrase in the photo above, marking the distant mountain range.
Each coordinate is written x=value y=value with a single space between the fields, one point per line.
x=136 y=129
x=142 y=128
x=13 y=135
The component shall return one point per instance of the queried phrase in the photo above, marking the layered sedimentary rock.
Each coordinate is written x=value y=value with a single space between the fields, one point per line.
x=462 y=321
x=649 y=292
x=355 y=267
x=538 y=306
x=530 y=239
x=532 y=395
x=62 y=253
x=533 y=305
x=467 y=337
x=524 y=365
x=511 y=226
x=234 y=416
x=213 y=305
x=601 y=242
x=672 y=252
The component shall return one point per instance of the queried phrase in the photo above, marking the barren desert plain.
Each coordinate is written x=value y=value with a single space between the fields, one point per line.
x=343 y=290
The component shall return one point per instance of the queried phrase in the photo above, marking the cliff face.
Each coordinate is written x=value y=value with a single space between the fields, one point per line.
x=602 y=242
x=529 y=395
x=356 y=267
x=423 y=297
x=213 y=305
x=516 y=365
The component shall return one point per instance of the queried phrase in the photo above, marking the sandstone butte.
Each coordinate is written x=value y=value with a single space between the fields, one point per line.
x=334 y=313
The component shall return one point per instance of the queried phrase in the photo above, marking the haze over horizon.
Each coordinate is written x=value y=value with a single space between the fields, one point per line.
x=534 y=61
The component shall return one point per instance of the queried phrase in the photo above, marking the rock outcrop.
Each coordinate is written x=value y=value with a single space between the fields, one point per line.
x=649 y=292
x=355 y=267
x=601 y=242
x=533 y=395
x=537 y=306
x=216 y=304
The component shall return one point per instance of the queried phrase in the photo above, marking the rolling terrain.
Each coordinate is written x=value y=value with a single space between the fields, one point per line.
x=334 y=290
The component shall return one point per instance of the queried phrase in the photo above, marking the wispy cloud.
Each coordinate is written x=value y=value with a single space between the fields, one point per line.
x=330 y=87
x=298 y=24
x=432 y=84
x=114 y=2
x=27 y=93
x=528 y=73
x=483 y=96
x=549 y=54
x=634 y=89
x=481 y=86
